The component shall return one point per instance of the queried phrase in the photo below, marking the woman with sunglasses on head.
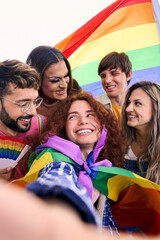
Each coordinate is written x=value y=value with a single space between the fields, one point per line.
x=55 y=73
x=141 y=125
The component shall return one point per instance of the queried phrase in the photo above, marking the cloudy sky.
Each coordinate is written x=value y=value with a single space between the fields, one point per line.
x=28 y=24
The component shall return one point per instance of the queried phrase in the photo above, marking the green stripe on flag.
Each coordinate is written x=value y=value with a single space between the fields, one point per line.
x=141 y=59
x=106 y=173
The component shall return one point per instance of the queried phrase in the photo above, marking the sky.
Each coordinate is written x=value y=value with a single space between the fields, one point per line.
x=28 y=24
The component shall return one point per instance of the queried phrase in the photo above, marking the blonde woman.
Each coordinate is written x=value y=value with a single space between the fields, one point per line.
x=141 y=125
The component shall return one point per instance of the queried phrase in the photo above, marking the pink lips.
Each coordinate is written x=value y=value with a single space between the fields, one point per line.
x=25 y=123
x=61 y=92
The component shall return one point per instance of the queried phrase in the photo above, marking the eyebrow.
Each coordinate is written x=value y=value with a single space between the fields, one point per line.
x=88 y=111
x=114 y=70
x=135 y=99
x=26 y=100
x=138 y=99
x=58 y=76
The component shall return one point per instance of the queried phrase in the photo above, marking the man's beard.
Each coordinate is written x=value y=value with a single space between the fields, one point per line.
x=11 y=123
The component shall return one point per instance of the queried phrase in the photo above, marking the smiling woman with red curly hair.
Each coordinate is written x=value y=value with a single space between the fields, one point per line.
x=80 y=136
x=112 y=150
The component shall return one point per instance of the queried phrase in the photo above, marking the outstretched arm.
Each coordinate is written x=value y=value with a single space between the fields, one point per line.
x=25 y=216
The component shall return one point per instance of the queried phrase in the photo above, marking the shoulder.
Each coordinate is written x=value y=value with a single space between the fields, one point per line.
x=38 y=119
x=104 y=99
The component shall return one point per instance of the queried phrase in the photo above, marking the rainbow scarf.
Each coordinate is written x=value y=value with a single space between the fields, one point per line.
x=129 y=26
x=135 y=200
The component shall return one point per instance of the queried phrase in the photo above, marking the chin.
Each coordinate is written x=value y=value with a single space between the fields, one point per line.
x=25 y=129
x=62 y=97
x=131 y=125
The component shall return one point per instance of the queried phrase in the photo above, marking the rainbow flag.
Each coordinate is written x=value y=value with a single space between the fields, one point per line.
x=130 y=26
x=135 y=201
x=12 y=149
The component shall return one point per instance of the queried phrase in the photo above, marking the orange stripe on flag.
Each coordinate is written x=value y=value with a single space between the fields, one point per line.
x=124 y=18
x=138 y=207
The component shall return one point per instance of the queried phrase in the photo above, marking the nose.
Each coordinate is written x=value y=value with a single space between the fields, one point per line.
x=108 y=78
x=82 y=120
x=129 y=108
x=32 y=110
x=63 y=83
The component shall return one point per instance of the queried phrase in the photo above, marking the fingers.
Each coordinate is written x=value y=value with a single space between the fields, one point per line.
x=6 y=173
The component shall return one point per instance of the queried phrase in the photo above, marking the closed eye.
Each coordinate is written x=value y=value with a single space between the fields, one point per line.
x=55 y=80
x=114 y=73
x=102 y=75
x=23 y=104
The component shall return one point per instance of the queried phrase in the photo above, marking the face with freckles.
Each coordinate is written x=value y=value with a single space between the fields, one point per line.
x=55 y=82
x=83 y=126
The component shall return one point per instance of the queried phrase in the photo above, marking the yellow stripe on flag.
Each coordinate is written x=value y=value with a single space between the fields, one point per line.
x=119 y=183
x=143 y=35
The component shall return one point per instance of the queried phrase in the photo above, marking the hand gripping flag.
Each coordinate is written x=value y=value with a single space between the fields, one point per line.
x=130 y=26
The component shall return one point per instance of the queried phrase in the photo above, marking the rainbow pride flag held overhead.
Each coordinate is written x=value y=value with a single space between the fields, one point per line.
x=130 y=26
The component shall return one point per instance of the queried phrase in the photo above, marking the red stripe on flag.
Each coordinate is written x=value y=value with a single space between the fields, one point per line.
x=83 y=33
x=138 y=207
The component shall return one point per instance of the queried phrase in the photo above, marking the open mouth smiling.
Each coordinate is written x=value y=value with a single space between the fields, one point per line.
x=84 y=131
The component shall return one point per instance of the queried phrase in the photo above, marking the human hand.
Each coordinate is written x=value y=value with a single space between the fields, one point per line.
x=6 y=173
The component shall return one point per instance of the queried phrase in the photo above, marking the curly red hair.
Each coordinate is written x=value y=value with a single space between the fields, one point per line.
x=114 y=148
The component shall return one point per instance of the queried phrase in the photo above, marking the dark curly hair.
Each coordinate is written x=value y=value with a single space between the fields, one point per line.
x=114 y=148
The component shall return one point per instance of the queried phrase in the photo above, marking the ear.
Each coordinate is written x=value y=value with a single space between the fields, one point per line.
x=129 y=76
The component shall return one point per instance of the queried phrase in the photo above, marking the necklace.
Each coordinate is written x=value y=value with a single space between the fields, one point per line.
x=49 y=105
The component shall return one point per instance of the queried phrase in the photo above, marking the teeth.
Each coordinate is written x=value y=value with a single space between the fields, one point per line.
x=25 y=120
x=132 y=116
x=61 y=91
x=84 y=131
x=111 y=87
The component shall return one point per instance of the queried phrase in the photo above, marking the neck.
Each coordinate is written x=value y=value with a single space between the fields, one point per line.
x=142 y=138
x=85 y=151
x=7 y=131
x=47 y=101
x=119 y=100
x=49 y=105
